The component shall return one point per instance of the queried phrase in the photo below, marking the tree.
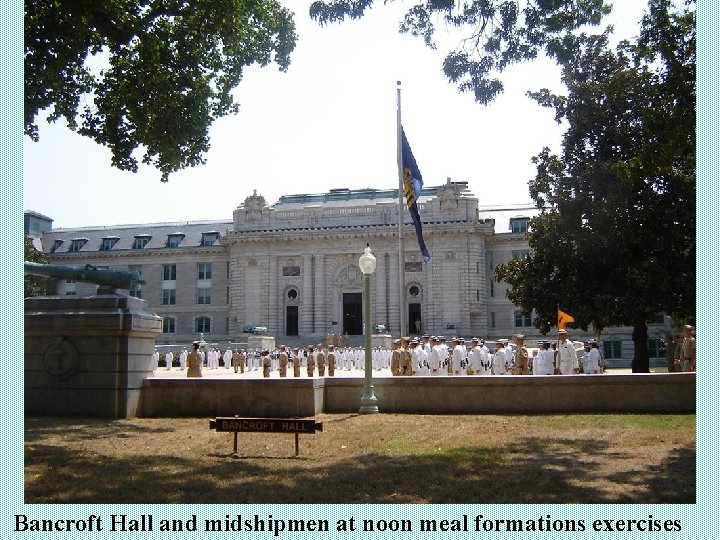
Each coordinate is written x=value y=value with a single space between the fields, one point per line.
x=615 y=242
x=497 y=33
x=34 y=285
x=171 y=68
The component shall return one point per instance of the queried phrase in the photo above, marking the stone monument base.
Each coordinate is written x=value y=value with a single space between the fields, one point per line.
x=381 y=340
x=261 y=342
x=87 y=356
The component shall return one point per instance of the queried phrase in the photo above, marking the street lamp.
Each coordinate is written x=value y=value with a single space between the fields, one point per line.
x=204 y=347
x=368 y=402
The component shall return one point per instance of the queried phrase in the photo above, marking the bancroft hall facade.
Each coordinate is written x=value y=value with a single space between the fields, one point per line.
x=293 y=267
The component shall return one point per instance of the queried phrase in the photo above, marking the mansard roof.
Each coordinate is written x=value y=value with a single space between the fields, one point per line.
x=502 y=214
x=156 y=233
x=337 y=209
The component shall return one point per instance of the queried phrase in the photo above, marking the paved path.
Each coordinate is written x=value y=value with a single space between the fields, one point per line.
x=222 y=373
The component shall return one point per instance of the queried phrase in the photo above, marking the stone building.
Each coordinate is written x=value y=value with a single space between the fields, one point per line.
x=293 y=267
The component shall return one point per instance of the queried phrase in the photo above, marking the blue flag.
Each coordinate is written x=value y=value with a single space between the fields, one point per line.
x=412 y=184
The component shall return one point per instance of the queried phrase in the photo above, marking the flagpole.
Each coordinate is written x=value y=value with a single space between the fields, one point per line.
x=401 y=228
x=557 y=347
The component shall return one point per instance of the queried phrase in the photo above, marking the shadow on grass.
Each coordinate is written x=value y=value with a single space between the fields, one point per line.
x=532 y=470
x=35 y=429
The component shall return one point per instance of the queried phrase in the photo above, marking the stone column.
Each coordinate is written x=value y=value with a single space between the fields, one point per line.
x=430 y=314
x=321 y=315
x=306 y=299
x=273 y=323
x=379 y=281
x=394 y=321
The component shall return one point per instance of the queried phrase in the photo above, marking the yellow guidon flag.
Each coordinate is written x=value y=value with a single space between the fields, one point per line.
x=564 y=319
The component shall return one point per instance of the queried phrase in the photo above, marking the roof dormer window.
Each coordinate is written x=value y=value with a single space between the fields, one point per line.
x=519 y=224
x=209 y=238
x=108 y=243
x=141 y=240
x=76 y=244
x=174 y=240
x=56 y=245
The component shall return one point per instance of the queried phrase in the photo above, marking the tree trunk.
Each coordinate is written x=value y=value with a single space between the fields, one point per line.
x=641 y=359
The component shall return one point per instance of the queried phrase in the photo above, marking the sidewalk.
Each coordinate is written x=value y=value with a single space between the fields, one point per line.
x=222 y=373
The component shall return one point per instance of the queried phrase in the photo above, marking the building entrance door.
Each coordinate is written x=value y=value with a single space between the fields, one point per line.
x=291 y=321
x=352 y=314
x=415 y=319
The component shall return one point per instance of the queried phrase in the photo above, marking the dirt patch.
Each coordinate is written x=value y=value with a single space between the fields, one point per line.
x=381 y=458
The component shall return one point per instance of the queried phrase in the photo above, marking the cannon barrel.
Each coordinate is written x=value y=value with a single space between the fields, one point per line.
x=118 y=279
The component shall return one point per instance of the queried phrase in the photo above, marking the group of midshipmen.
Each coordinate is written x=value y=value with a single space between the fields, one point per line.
x=425 y=356
x=433 y=355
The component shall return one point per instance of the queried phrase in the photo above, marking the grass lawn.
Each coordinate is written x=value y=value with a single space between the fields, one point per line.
x=382 y=458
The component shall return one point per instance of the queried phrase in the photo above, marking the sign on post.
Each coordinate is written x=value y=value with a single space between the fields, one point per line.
x=236 y=425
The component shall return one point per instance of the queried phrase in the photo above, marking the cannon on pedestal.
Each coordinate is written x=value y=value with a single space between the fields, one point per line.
x=108 y=281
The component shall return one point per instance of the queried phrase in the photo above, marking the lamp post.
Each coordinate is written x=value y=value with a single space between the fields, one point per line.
x=204 y=346
x=368 y=402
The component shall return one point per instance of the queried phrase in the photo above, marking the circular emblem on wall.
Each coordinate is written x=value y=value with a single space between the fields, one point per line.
x=60 y=359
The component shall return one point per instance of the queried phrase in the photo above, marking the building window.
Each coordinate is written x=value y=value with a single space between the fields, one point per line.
x=56 y=245
x=77 y=244
x=209 y=238
x=203 y=295
x=522 y=320
x=413 y=266
x=169 y=272
x=291 y=271
x=519 y=225
x=520 y=253
x=656 y=348
x=492 y=288
x=492 y=319
x=108 y=243
x=292 y=294
x=204 y=270
x=168 y=297
x=612 y=348
x=202 y=324
x=168 y=325
x=141 y=241
x=173 y=240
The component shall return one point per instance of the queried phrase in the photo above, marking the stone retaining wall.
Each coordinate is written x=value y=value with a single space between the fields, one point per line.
x=631 y=393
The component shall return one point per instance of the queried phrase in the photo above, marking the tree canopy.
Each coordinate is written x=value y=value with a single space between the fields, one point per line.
x=615 y=241
x=34 y=285
x=496 y=33
x=170 y=70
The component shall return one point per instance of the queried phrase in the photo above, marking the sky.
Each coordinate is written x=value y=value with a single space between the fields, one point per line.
x=329 y=122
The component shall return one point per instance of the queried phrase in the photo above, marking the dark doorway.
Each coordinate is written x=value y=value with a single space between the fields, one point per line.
x=352 y=314
x=415 y=319
x=291 y=320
